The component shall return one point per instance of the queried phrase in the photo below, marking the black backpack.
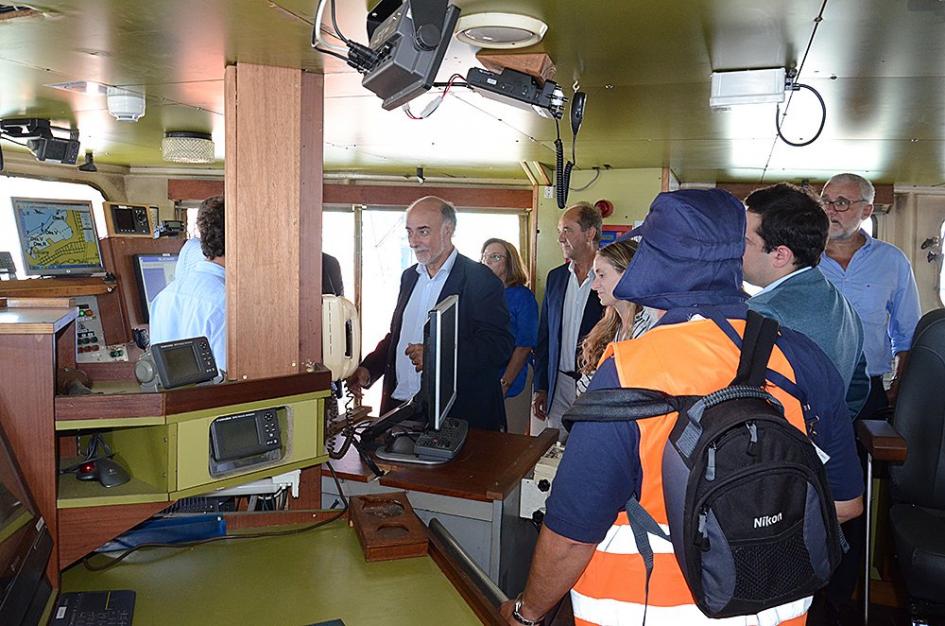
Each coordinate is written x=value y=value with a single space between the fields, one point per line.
x=751 y=518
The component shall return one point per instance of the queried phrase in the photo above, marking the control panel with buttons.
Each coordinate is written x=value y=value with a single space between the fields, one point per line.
x=90 y=338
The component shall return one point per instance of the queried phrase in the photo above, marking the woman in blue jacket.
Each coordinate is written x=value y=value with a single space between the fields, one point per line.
x=503 y=259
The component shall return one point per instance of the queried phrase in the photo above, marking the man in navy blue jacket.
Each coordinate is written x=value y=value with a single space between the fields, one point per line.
x=485 y=343
x=568 y=312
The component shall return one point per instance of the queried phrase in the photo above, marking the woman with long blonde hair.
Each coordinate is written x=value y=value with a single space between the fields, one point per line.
x=622 y=320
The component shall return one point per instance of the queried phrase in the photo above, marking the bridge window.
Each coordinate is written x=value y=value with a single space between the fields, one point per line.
x=21 y=187
x=383 y=255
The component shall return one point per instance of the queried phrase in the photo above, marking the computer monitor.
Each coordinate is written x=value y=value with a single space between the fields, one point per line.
x=154 y=272
x=57 y=236
x=25 y=547
x=438 y=380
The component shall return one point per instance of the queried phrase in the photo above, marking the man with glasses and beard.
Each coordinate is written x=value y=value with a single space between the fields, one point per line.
x=876 y=278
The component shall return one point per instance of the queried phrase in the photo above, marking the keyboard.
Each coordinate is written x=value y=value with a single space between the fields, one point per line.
x=445 y=443
x=94 y=608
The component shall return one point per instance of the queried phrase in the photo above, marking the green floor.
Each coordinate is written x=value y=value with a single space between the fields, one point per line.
x=315 y=576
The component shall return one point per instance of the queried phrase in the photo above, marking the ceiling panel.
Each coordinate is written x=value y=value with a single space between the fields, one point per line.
x=645 y=66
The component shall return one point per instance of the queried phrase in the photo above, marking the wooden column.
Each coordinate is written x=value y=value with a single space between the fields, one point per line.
x=274 y=123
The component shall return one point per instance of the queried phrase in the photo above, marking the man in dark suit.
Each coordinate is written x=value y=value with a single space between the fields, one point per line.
x=485 y=343
x=568 y=312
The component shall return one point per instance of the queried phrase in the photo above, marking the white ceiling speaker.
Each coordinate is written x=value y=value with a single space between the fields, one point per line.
x=500 y=30
x=125 y=105
x=185 y=146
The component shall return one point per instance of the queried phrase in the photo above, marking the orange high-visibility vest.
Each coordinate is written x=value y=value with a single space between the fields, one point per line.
x=693 y=358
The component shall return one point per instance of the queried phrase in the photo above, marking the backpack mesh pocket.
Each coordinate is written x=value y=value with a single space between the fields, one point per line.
x=772 y=568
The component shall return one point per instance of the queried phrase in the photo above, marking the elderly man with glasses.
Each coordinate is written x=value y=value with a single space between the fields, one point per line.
x=877 y=279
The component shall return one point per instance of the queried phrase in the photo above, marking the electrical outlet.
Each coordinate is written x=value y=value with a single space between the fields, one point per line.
x=549 y=192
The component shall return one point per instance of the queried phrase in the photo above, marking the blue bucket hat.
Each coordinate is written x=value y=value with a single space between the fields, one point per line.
x=690 y=252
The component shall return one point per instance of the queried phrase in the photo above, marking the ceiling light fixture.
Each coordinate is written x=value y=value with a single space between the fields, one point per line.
x=747 y=87
x=500 y=30
x=125 y=105
x=184 y=146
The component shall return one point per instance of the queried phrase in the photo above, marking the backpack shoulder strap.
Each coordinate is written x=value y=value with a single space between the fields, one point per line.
x=623 y=405
x=761 y=333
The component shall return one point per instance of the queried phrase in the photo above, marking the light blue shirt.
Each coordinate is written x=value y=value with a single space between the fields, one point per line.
x=193 y=305
x=424 y=297
x=880 y=285
x=190 y=254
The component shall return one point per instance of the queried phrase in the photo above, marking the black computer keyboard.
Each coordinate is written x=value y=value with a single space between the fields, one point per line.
x=111 y=617
x=445 y=443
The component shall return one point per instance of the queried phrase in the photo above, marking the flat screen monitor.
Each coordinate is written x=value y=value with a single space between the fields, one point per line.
x=57 y=236
x=25 y=546
x=154 y=272
x=438 y=381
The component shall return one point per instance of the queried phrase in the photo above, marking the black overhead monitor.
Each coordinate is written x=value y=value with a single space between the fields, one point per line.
x=25 y=547
x=409 y=39
x=57 y=236
x=154 y=272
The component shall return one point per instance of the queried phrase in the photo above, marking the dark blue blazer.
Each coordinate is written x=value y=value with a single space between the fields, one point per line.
x=485 y=343
x=548 y=351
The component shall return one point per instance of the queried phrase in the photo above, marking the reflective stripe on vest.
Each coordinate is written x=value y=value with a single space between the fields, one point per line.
x=680 y=359
x=615 y=613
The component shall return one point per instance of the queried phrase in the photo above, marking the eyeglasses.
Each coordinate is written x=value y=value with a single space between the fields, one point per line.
x=841 y=204
x=495 y=258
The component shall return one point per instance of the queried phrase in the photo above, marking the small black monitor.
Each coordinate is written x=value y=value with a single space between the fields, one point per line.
x=154 y=272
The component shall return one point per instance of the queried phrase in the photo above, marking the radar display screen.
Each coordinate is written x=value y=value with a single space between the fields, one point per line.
x=57 y=236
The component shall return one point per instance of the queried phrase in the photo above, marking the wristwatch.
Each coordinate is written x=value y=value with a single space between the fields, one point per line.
x=517 y=616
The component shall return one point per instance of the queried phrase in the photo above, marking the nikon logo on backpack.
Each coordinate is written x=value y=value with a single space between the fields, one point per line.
x=768 y=520
x=731 y=459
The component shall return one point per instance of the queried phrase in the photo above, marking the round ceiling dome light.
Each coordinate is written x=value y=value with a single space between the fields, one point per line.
x=500 y=30
x=179 y=146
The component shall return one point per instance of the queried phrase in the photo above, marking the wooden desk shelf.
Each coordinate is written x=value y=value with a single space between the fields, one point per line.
x=74 y=493
x=59 y=287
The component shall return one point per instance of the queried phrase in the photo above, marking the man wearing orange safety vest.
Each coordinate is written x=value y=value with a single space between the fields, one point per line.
x=688 y=266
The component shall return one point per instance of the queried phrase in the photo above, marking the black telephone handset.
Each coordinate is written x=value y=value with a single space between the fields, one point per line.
x=562 y=169
x=577 y=111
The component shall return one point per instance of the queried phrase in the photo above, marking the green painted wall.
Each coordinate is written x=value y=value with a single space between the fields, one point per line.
x=631 y=191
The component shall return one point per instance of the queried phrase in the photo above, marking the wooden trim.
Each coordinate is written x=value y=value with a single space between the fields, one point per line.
x=374 y=195
x=82 y=530
x=117 y=406
x=404 y=195
x=311 y=149
x=27 y=388
x=34 y=321
x=38 y=303
x=198 y=398
x=59 y=287
x=533 y=238
x=193 y=189
x=881 y=440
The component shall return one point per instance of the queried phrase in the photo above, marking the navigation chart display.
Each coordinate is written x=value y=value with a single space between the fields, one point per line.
x=57 y=236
